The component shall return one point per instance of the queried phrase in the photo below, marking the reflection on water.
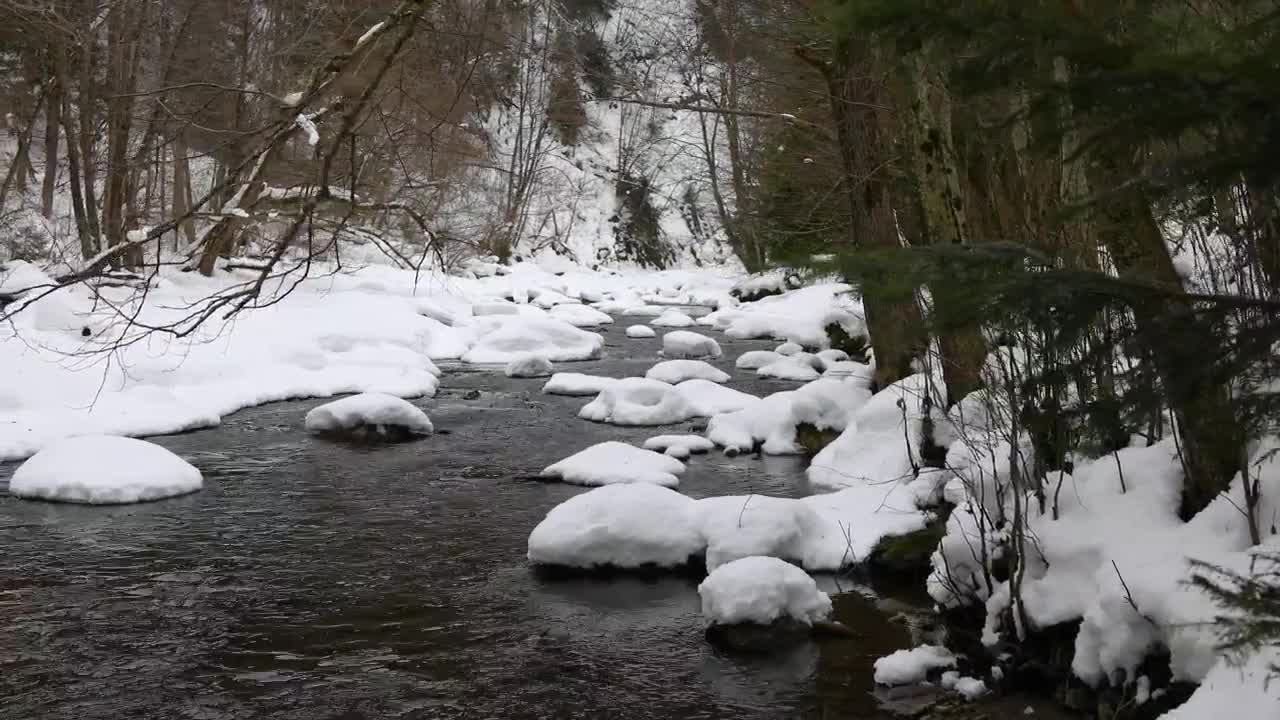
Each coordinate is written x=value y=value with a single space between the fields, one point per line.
x=311 y=580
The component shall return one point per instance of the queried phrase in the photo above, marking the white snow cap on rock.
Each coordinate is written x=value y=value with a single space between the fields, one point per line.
x=577 y=384
x=641 y=331
x=672 y=318
x=789 y=348
x=679 y=446
x=373 y=409
x=677 y=371
x=529 y=365
x=691 y=345
x=104 y=470
x=502 y=339
x=624 y=526
x=580 y=315
x=708 y=399
x=612 y=462
x=761 y=590
x=907 y=667
x=637 y=401
x=756 y=359
x=789 y=368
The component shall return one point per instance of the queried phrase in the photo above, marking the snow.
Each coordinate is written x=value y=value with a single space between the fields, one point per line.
x=641 y=331
x=501 y=340
x=575 y=384
x=580 y=315
x=638 y=401
x=678 y=446
x=103 y=470
x=907 y=667
x=612 y=462
x=800 y=316
x=677 y=371
x=308 y=126
x=529 y=365
x=690 y=345
x=970 y=688
x=789 y=348
x=376 y=410
x=756 y=359
x=826 y=403
x=641 y=311
x=832 y=356
x=789 y=368
x=761 y=590
x=1249 y=691
x=707 y=399
x=624 y=526
x=672 y=318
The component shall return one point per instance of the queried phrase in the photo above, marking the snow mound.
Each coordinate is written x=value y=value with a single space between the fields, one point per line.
x=677 y=371
x=789 y=348
x=826 y=403
x=1244 y=692
x=679 y=446
x=638 y=401
x=624 y=526
x=612 y=462
x=756 y=359
x=691 y=345
x=849 y=369
x=789 y=368
x=672 y=318
x=377 y=413
x=529 y=365
x=104 y=470
x=832 y=356
x=484 y=309
x=708 y=399
x=762 y=590
x=501 y=340
x=800 y=316
x=577 y=384
x=907 y=667
x=641 y=331
x=580 y=315
x=642 y=311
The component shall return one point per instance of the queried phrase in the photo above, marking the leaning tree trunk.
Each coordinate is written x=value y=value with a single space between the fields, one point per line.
x=52 y=128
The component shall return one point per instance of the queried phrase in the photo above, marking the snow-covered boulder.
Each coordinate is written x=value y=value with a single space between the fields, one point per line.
x=708 y=399
x=762 y=590
x=672 y=318
x=832 y=356
x=577 y=384
x=610 y=463
x=638 y=401
x=529 y=365
x=641 y=311
x=641 y=331
x=679 y=446
x=104 y=470
x=626 y=526
x=501 y=340
x=677 y=371
x=580 y=315
x=495 y=307
x=907 y=667
x=849 y=369
x=690 y=345
x=369 y=417
x=756 y=359
x=789 y=368
x=789 y=348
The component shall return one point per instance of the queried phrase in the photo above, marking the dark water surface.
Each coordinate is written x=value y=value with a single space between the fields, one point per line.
x=315 y=580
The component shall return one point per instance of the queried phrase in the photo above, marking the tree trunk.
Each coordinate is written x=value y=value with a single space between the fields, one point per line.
x=182 y=187
x=52 y=131
x=88 y=238
x=121 y=63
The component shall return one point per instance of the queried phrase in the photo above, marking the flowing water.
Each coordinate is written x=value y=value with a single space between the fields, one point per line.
x=317 y=580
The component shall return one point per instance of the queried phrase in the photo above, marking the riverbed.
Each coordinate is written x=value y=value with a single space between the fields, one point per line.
x=319 y=580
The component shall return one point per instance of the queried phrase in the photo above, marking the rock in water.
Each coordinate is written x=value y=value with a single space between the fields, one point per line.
x=369 y=418
x=104 y=470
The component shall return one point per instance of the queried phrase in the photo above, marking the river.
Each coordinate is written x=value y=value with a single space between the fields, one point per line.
x=318 y=580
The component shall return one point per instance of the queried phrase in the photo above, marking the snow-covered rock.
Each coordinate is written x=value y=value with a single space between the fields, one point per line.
x=638 y=401
x=641 y=311
x=677 y=371
x=496 y=307
x=580 y=315
x=800 y=316
x=102 y=470
x=907 y=667
x=625 y=526
x=756 y=359
x=849 y=369
x=708 y=399
x=672 y=318
x=529 y=365
x=789 y=368
x=832 y=356
x=789 y=348
x=679 y=446
x=761 y=590
x=609 y=463
x=577 y=384
x=641 y=331
x=501 y=340
x=690 y=345
x=369 y=417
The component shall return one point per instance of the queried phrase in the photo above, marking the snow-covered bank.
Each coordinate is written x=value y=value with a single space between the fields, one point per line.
x=77 y=364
